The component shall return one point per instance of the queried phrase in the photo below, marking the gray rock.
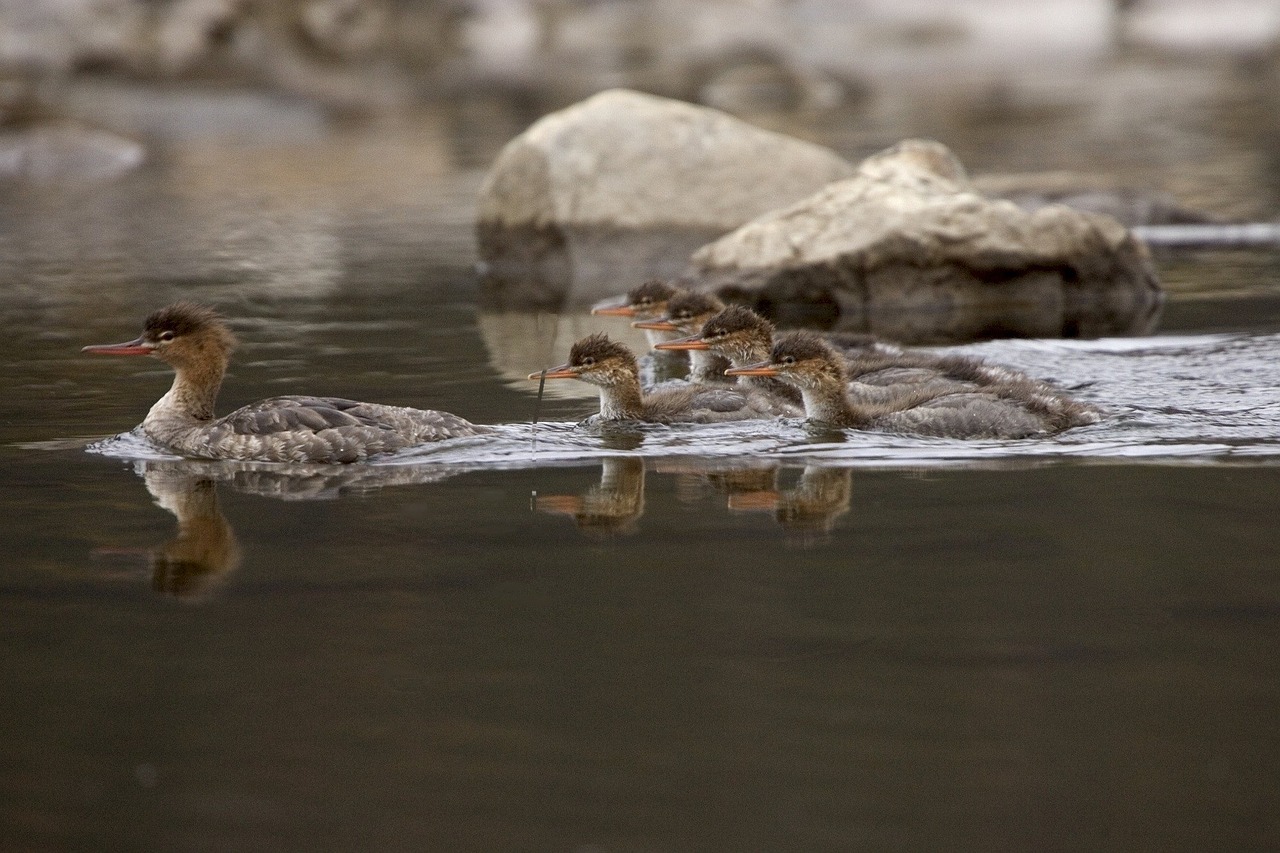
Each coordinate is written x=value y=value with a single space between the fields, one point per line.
x=907 y=250
x=630 y=167
x=624 y=159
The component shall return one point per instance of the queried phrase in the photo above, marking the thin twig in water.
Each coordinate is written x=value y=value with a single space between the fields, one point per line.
x=533 y=433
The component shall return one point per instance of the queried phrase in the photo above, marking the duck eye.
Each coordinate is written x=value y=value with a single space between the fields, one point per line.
x=166 y=335
x=788 y=359
x=588 y=361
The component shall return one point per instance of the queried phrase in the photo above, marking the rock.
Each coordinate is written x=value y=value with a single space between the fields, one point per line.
x=907 y=250
x=623 y=167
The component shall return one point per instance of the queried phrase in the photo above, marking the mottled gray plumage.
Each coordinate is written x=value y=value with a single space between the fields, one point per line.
x=877 y=372
x=1007 y=405
x=196 y=342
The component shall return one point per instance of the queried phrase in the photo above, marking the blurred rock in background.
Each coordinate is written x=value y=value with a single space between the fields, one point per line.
x=733 y=54
x=1011 y=86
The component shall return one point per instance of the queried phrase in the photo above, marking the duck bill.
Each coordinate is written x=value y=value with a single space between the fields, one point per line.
x=656 y=325
x=761 y=369
x=691 y=342
x=134 y=347
x=564 y=371
x=614 y=306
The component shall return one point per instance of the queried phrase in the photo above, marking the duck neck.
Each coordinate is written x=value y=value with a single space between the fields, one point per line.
x=825 y=402
x=744 y=352
x=657 y=336
x=192 y=395
x=706 y=366
x=622 y=401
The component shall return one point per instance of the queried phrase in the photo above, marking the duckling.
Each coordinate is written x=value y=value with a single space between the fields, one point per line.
x=1018 y=408
x=647 y=301
x=742 y=337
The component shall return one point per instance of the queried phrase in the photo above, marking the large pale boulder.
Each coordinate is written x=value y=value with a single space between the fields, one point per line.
x=907 y=250
x=631 y=181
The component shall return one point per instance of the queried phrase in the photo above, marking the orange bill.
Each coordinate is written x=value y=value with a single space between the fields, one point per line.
x=134 y=347
x=564 y=371
x=614 y=306
x=663 y=325
x=762 y=368
x=691 y=342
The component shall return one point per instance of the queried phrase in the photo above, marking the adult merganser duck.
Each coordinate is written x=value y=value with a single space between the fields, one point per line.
x=612 y=368
x=687 y=313
x=1017 y=408
x=197 y=344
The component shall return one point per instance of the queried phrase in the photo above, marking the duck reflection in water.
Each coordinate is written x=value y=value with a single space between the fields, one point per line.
x=204 y=553
x=610 y=508
x=615 y=504
x=820 y=497
x=694 y=481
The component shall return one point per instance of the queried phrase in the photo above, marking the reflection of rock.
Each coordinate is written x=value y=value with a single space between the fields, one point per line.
x=205 y=550
x=906 y=250
x=619 y=165
x=611 y=507
x=813 y=504
x=65 y=152
x=1129 y=205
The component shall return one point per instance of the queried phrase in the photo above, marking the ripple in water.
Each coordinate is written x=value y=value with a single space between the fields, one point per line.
x=1205 y=398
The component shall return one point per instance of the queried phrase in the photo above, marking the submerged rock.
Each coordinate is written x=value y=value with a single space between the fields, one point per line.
x=906 y=249
x=626 y=167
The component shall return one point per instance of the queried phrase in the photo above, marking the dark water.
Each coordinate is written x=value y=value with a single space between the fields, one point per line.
x=732 y=639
